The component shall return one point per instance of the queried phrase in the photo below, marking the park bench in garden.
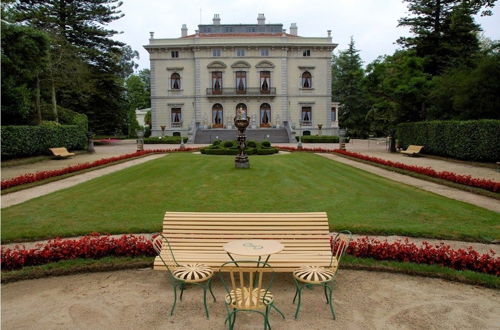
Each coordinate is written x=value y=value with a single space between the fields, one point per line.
x=412 y=150
x=198 y=237
x=61 y=152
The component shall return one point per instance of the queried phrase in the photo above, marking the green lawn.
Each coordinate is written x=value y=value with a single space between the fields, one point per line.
x=135 y=199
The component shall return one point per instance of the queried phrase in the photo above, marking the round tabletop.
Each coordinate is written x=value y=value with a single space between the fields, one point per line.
x=253 y=247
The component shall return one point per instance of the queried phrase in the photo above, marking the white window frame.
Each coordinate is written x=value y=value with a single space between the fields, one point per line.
x=306 y=53
x=216 y=52
x=264 y=50
x=240 y=52
x=174 y=54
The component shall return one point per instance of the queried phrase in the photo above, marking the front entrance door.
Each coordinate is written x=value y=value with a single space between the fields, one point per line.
x=265 y=115
x=217 y=116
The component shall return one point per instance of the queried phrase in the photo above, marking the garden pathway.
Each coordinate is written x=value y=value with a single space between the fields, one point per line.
x=464 y=196
x=141 y=299
x=30 y=193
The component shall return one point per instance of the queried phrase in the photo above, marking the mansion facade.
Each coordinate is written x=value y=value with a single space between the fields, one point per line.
x=281 y=79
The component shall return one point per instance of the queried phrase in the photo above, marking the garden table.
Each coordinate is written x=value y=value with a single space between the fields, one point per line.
x=253 y=248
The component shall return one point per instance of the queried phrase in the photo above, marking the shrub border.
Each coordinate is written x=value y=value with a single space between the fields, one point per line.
x=96 y=246
x=76 y=266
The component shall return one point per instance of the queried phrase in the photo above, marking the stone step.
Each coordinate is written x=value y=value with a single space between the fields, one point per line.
x=276 y=135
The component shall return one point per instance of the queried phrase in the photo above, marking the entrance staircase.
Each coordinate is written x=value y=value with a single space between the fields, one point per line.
x=276 y=135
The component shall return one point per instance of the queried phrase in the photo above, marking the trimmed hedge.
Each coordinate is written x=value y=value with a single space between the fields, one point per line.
x=24 y=141
x=320 y=139
x=230 y=148
x=165 y=140
x=477 y=140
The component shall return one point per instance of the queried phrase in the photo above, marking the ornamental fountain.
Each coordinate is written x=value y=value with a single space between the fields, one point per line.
x=241 y=122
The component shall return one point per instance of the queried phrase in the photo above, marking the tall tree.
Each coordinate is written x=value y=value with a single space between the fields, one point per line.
x=25 y=53
x=81 y=25
x=347 y=88
x=443 y=31
x=397 y=89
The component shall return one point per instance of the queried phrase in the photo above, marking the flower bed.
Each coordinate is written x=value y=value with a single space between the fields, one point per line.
x=42 y=175
x=444 y=175
x=97 y=246
x=439 y=254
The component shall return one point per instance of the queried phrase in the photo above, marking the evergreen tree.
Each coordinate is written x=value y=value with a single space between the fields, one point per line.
x=347 y=88
x=25 y=53
x=444 y=31
x=79 y=34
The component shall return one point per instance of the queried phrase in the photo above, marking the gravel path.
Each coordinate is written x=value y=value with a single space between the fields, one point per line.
x=141 y=299
x=30 y=193
x=464 y=196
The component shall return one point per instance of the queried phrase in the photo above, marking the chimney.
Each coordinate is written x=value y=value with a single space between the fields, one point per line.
x=184 y=30
x=261 y=20
x=151 y=35
x=293 y=29
x=216 y=19
x=329 y=33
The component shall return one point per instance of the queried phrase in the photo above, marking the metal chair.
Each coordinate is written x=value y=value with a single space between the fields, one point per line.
x=247 y=290
x=309 y=276
x=182 y=275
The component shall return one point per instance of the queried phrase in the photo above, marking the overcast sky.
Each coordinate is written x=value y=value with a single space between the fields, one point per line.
x=372 y=23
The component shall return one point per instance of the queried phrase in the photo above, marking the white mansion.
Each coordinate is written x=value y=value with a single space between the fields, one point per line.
x=282 y=80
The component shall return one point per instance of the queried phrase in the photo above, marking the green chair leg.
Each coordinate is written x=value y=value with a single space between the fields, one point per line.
x=331 y=302
x=326 y=296
x=182 y=291
x=210 y=288
x=175 y=300
x=205 y=301
x=276 y=308
x=233 y=320
x=296 y=292
x=298 y=303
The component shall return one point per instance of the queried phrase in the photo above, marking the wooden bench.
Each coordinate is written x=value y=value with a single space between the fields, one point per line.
x=61 y=152
x=412 y=150
x=199 y=237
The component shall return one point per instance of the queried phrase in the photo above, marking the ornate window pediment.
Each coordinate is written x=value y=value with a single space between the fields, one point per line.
x=265 y=65
x=216 y=65
x=240 y=65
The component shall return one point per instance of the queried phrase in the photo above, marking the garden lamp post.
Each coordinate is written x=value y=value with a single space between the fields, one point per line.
x=140 y=140
x=241 y=122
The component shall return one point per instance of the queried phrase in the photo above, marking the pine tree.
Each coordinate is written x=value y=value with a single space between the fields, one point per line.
x=347 y=88
x=444 y=31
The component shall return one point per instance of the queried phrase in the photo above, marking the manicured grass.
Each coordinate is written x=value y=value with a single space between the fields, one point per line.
x=134 y=200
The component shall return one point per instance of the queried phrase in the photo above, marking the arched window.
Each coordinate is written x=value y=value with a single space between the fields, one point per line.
x=241 y=82
x=241 y=109
x=217 y=116
x=217 y=82
x=265 y=115
x=265 y=82
x=306 y=80
x=175 y=81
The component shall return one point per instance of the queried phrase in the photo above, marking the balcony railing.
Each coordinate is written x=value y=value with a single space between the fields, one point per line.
x=176 y=124
x=235 y=92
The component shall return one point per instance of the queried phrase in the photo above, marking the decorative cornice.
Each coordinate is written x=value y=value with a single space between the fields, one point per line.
x=216 y=65
x=241 y=64
x=264 y=65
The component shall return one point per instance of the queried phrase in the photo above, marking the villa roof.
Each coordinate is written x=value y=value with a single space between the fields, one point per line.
x=235 y=35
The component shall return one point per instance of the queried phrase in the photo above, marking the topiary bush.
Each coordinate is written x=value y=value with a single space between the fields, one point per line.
x=231 y=148
x=320 y=139
x=477 y=140
x=164 y=140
